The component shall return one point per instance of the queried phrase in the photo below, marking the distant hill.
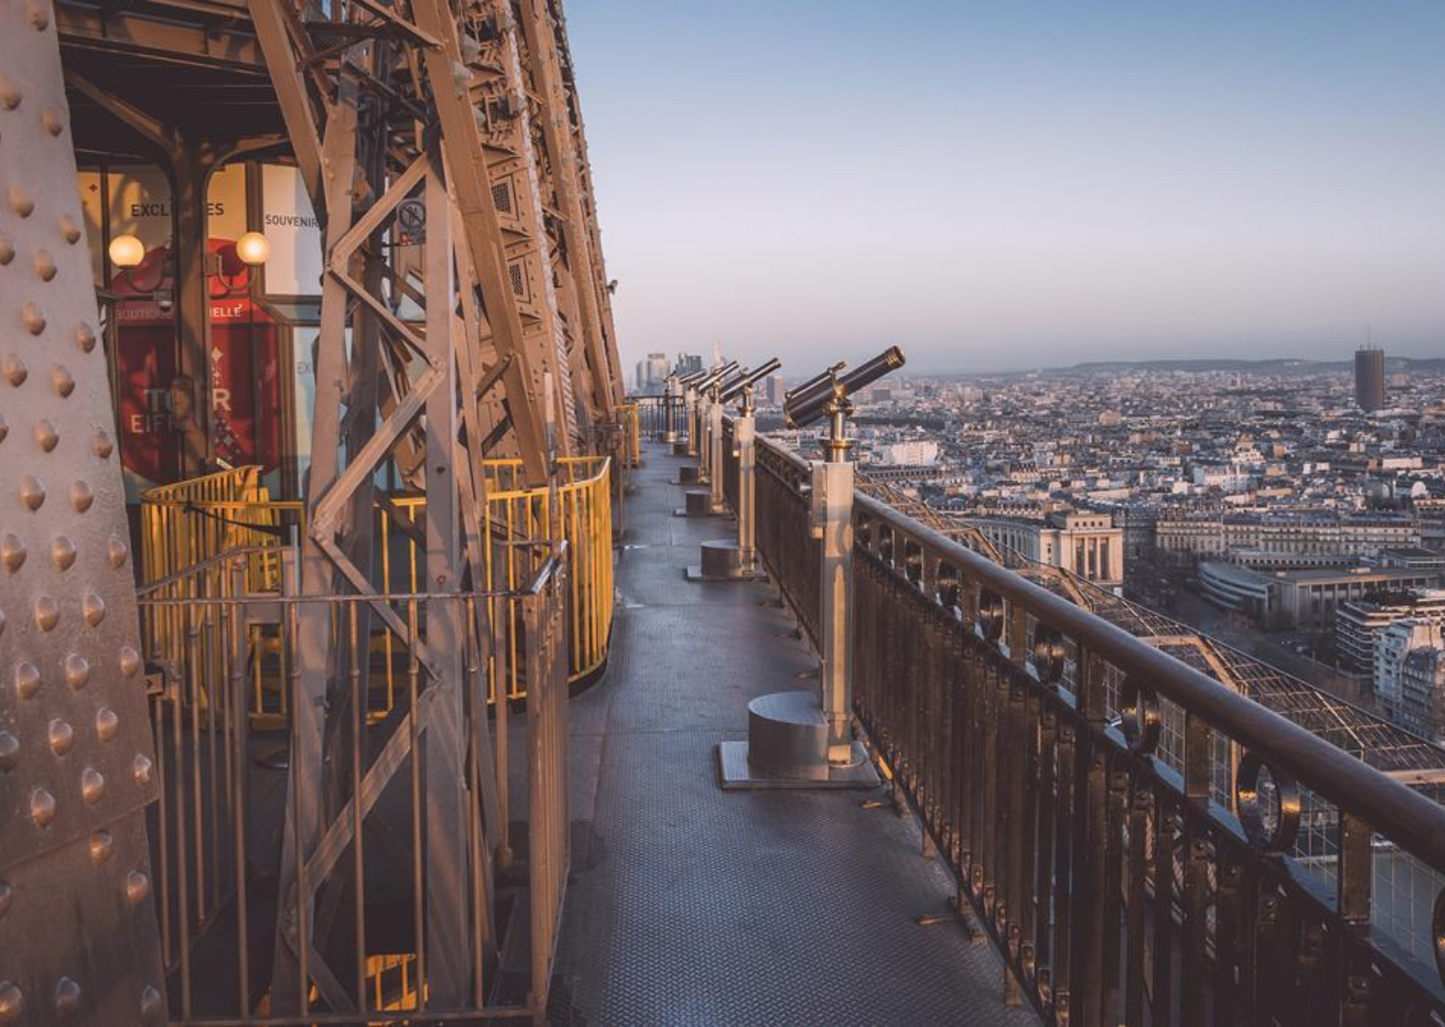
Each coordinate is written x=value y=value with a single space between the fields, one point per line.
x=1278 y=365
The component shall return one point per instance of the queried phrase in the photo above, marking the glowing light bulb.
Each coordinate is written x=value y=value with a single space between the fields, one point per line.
x=126 y=251
x=253 y=248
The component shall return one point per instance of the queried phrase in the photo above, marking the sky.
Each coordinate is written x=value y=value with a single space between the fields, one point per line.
x=1019 y=183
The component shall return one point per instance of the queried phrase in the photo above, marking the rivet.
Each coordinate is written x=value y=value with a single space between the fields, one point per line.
x=12 y=1003
x=142 y=767
x=52 y=121
x=46 y=437
x=9 y=750
x=106 y=723
x=137 y=887
x=92 y=786
x=14 y=369
x=42 y=807
x=38 y=17
x=27 y=679
x=62 y=380
x=32 y=492
x=69 y=231
x=118 y=551
x=20 y=201
x=47 y=613
x=44 y=265
x=32 y=318
x=7 y=252
x=2 y=622
x=62 y=737
x=62 y=551
x=129 y=661
x=7 y=895
x=102 y=445
x=81 y=497
x=67 y=997
x=92 y=607
x=85 y=337
x=102 y=844
x=150 y=1001
x=12 y=551
x=77 y=671
x=9 y=93
x=4 y=428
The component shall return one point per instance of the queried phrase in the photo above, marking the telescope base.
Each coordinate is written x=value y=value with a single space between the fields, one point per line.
x=699 y=504
x=669 y=438
x=688 y=474
x=722 y=561
x=680 y=447
x=787 y=747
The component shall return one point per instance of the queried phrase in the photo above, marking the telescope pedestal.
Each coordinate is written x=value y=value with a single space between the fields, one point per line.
x=722 y=561
x=679 y=447
x=699 y=504
x=787 y=747
x=686 y=473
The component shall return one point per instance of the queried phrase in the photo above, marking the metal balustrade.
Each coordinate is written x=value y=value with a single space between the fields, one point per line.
x=187 y=525
x=1142 y=844
x=652 y=411
x=223 y=800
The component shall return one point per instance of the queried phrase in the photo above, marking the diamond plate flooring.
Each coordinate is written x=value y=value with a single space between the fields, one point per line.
x=688 y=905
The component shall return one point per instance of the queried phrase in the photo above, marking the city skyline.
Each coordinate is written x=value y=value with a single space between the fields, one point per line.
x=997 y=189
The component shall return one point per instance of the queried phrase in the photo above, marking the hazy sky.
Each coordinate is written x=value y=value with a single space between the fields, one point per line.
x=1015 y=183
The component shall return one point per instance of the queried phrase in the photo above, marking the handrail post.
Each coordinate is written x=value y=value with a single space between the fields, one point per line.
x=745 y=438
x=716 y=468
x=690 y=415
x=833 y=526
x=669 y=394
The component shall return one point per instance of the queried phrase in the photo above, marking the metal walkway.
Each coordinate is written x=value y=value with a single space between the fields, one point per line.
x=688 y=905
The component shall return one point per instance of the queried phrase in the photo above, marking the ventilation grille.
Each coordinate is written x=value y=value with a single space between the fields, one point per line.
x=502 y=197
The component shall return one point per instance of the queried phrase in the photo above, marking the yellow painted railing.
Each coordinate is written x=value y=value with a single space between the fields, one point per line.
x=188 y=523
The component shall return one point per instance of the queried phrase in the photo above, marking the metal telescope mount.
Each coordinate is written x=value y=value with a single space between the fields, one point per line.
x=803 y=738
x=734 y=559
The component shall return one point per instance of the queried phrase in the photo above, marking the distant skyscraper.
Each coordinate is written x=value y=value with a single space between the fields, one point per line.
x=775 y=389
x=717 y=354
x=1370 y=378
x=687 y=363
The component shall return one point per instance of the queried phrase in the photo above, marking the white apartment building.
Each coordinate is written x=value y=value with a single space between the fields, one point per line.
x=1410 y=675
x=1207 y=536
x=1083 y=543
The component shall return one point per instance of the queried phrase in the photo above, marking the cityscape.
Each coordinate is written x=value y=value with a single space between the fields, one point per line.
x=906 y=514
x=1293 y=509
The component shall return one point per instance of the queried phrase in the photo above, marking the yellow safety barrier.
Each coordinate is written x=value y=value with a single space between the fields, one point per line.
x=192 y=522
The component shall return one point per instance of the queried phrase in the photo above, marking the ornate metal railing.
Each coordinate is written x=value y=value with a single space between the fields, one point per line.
x=652 y=415
x=1130 y=832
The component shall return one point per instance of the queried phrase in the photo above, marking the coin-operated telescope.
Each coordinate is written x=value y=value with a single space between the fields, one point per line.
x=828 y=394
x=743 y=385
x=728 y=559
x=676 y=413
x=787 y=737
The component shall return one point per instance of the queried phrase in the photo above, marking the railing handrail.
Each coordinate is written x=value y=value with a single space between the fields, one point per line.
x=1391 y=808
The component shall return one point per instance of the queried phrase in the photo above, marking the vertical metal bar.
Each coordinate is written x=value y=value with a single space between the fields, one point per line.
x=239 y=804
x=358 y=862
x=1197 y=783
x=418 y=898
x=1135 y=899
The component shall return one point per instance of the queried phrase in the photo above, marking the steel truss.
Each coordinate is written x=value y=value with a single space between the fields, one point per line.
x=442 y=148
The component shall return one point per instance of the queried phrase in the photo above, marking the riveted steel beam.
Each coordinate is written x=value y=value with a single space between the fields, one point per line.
x=78 y=925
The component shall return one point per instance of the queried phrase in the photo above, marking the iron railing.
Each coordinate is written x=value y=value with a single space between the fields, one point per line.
x=224 y=794
x=1127 y=829
x=652 y=417
x=187 y=525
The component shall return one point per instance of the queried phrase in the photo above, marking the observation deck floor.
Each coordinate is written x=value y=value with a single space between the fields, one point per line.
x=690 y=905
